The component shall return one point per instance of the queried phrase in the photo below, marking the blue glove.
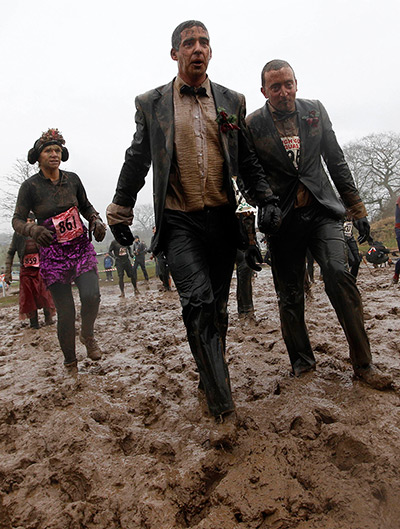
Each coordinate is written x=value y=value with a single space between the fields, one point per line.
x=122 y=234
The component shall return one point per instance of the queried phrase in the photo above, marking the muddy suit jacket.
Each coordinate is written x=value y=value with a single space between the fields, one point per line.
x=317 y=141
x=153 y=142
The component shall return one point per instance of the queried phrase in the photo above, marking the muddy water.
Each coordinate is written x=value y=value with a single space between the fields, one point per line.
x=127 y=443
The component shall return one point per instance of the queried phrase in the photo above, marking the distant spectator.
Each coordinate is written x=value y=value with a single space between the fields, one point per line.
x=108 y=264
x=395 y=279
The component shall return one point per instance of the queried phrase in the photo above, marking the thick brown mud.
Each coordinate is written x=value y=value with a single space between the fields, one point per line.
x=128 y=442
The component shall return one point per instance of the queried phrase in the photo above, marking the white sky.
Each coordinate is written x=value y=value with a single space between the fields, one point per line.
x=78 y=65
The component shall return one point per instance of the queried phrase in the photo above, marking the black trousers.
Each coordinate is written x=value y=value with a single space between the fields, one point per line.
x=124 y=265
x=163 y=270
x=353 y=256
x=89 y=293
x=200 y=248
x=140 y=261
x=311 y=228
x=244 y=286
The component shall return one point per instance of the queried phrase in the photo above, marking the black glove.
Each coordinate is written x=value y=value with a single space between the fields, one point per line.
x=253 y=256
x=97 y=226
x=122 y=234
x=269 y=217
x=41 y=235
x=363 y=228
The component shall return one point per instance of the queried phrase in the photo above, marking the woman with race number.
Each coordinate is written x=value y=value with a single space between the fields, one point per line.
x=33 y=294
x=58 y=198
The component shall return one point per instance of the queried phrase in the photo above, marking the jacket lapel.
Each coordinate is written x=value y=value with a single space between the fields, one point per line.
x=164 y=111
x=277 y=138
x=303 y=132
x=221 y=100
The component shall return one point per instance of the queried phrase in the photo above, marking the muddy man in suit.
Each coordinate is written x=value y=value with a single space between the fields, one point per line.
x=292 y=137
x=194 y=134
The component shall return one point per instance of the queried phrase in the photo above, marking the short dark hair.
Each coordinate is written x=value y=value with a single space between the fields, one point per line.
x=176 y=35
x=276 y=64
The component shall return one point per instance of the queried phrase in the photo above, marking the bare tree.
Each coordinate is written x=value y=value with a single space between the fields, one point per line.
x=375 y=163
x=144 y=218
x=11 y=183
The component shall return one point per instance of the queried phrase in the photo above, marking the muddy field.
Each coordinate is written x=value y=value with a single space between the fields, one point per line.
x=128 y=443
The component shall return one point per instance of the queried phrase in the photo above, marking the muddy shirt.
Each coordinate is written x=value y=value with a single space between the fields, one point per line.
x=119 y=252
x=45 y=199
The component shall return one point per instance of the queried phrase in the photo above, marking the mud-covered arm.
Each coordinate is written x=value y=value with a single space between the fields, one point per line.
x=255 y=184
x=339 y=169
x=22 y=208
x=136 y=166
x=10 y=258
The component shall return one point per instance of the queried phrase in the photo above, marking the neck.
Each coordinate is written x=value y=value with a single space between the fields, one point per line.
x=193 y=82
x=51 y=174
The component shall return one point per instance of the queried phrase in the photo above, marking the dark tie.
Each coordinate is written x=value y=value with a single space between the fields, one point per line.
x=191 y=90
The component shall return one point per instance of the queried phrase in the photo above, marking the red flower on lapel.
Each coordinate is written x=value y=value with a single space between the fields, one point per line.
x=312 y=119
x=226 y=121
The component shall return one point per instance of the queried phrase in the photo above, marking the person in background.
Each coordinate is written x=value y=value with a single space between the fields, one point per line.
x=244 y=287
x=33 y=294
x=58 y=199
x=292 y=137
x=123 y=265
x=139 y=252
x=353 y=255
x=395 y=278
x=108 y=264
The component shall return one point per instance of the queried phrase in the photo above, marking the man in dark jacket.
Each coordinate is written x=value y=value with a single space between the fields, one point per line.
x=139 y=252
x=193 y=131
x=291 y=138
x=123 y=264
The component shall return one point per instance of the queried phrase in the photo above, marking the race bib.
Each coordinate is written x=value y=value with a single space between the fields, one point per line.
x=348 y=228
x=31 y=259
x=68 y=225
x=292 y=146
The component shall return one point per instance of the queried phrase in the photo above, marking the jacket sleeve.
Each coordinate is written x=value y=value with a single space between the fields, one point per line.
x=10 y=253
x=22 y=209
x=137 y=162
x=339 y=169
x=254 y=185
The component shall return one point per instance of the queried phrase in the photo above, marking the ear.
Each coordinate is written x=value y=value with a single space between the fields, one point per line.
x=173 y=54
x=32 y=156
x=264 y=92
x=64 y=154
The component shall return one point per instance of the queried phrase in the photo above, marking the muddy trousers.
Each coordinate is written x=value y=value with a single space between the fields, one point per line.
x=200 y=249
x=140 y=261
x=310 y=228
x=244 y=286
x=89 y=293
x=122 y=266
x=353 y=256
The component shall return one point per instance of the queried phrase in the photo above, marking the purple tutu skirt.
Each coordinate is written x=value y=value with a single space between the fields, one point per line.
x=64 y=262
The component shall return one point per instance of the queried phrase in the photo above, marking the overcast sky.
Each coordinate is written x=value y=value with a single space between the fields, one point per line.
x=78 y=65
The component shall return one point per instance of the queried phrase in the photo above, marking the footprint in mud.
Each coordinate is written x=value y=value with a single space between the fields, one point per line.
x=347 y=451
x=73 y=484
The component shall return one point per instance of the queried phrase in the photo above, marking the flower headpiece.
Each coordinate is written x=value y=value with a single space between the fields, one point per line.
x=52 y=136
